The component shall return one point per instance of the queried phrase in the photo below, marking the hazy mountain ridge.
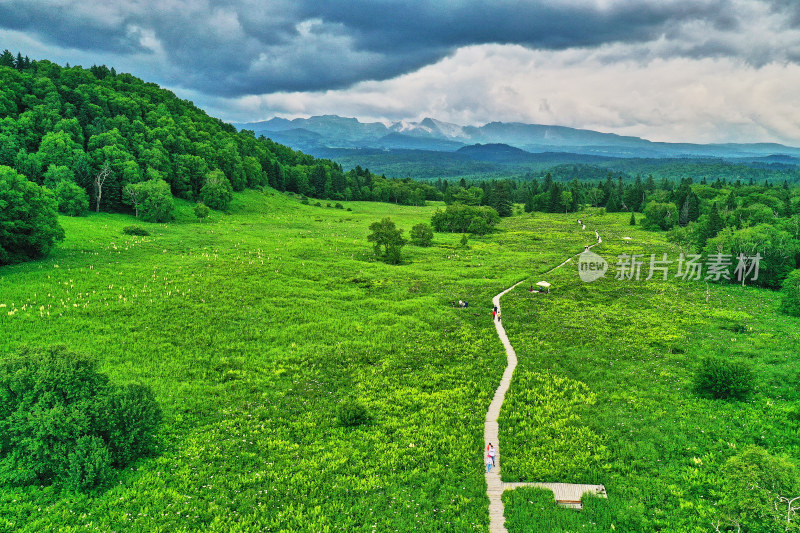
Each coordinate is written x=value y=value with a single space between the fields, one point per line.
x=332 y=131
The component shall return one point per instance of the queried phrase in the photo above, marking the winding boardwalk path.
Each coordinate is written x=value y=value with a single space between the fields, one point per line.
x=566 y=494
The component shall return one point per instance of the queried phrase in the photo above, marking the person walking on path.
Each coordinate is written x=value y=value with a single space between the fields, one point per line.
x=492 y=453
x=498 y=316
x=494 y=312
x=489 y=464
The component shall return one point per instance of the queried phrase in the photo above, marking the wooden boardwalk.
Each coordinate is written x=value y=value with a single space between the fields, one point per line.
x=566 y=494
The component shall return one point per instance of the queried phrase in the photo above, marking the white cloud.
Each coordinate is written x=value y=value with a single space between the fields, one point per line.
x=675 y=99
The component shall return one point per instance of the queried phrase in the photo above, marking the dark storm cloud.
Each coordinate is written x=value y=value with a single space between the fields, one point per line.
x=240 y=47
x=58 y=25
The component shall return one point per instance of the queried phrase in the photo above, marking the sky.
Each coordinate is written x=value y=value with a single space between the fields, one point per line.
x=666 y=70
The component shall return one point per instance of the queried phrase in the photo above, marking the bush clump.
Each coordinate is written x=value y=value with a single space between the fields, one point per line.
x=422 y=235
x=722 y=379
x=61 y=421
x=351 y=413
x=457 y=218
x=134 y=229
x=201 y=211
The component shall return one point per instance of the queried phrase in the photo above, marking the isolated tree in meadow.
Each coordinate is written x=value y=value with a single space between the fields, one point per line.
x=422 y=234
x=29 y=225
x=385 y=235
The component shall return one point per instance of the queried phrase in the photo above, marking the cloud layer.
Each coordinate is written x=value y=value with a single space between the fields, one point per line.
x=677 y=99
x=664 y=66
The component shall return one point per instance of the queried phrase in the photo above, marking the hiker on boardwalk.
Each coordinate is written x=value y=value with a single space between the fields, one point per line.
x=489 y=463
x=490 y=451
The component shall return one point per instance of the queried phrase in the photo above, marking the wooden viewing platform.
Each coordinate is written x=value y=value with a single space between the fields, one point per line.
x=565 y=494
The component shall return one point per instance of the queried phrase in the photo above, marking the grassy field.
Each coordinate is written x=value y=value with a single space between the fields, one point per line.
x=610 y=365
x=251 y=327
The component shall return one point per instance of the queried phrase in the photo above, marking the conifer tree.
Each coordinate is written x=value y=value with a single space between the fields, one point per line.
x=502 y=200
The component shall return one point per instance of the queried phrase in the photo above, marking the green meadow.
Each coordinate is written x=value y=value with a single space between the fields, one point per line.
x=252 y=327
x=603 y=392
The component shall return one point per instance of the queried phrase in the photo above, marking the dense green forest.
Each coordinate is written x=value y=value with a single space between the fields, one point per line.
x=65 y=123
x=705 y=218
x=430 y=165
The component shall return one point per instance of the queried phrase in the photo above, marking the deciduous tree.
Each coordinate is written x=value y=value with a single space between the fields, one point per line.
x=29 y=225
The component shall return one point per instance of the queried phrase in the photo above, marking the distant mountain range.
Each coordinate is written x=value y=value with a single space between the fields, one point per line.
x=508 y=141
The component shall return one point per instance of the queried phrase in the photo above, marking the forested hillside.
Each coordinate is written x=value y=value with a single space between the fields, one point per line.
x=65 y=123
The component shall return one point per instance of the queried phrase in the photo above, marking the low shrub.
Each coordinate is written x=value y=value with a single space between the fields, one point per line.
x=351 y=413
x=61 y=421
x=134 y=229
x=201 y=210
x=722 y=379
